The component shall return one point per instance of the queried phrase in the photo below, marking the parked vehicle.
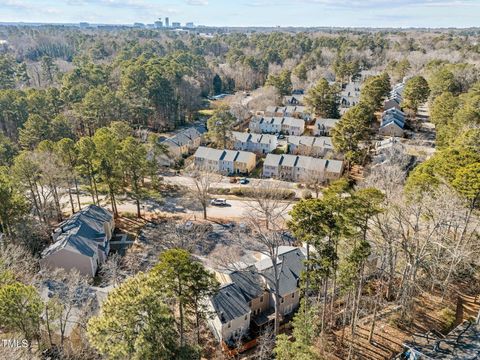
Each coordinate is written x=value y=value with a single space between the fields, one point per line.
x=233 y=180
x=243 y=181
x=218 y=202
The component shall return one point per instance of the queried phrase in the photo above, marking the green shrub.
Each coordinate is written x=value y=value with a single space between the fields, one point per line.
x=448 y=317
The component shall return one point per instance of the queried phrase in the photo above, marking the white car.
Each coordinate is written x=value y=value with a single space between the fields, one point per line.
x=218 y=202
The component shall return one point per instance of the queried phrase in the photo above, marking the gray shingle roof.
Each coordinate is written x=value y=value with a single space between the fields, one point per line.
x=249 y=282
x=461 y=343
x=290 y=264
x=229 y=303
x=81 y=231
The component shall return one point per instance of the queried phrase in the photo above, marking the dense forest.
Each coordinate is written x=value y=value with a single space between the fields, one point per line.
x=82 y=109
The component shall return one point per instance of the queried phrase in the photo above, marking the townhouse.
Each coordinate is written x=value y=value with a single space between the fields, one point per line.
x=297 y=111
x=301 y=168
x=323 y=127
x=226 y=162
x=245 y=302
x=184 y=142
x=393 y=123
x=257 y=143
x=310 y=146
x=81 y=242
x=277 y=125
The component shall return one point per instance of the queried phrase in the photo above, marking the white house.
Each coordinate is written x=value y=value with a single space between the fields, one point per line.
x=276 y=125
x=257 y=143
x=301 y=168
x=310 y=145
x=323 y=127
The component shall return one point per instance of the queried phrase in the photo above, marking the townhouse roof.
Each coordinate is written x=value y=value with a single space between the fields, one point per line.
x=312 y=141
x=81 y=231
x=208 y=153
x=223 y=155
x=303 y=162
x=184 y=136
x=229 y=303
x=325 y=123
x=253 y=138
x=289 y=109
x=277 y=120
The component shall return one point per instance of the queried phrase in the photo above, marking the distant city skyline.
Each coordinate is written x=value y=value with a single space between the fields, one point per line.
x=300 y=13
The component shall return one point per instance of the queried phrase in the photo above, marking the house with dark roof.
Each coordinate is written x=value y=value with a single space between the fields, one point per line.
x=393 y=123
x=245 y=303
x=81 y=242
x=461 y=343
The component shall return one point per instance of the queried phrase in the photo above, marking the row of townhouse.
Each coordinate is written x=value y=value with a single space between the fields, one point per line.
x=393 y=122
x=397 y=91
x=227 y=162
x=184 y=142
x=301 y=168
x=245 y=303
x=257 y=143
x=323 y=127
x=81 y=242
x=310 y=146
x=276 y=125
x=297 y=111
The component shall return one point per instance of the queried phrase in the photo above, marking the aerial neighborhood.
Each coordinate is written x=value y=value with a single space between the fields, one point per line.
x=174 y=191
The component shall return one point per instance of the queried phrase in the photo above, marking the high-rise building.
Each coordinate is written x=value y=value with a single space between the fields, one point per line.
x=158 y=24
x=176 y=25
x=167 y=22
x=190 y=25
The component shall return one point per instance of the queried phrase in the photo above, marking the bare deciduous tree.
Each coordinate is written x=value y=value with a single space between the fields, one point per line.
x=203 y=180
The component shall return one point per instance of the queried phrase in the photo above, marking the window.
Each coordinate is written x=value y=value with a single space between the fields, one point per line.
x=246 y=317
x=229 y=324
x=293 y=296
x=282 y=300
x=261 y=298
x=250 y=304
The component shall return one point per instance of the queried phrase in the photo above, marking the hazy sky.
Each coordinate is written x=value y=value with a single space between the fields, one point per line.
x=373 y=13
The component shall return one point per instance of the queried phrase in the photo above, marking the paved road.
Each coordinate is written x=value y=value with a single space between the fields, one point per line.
x=224 y=183
x=182 y=206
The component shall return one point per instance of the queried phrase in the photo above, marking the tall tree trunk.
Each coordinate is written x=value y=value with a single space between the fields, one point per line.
x=324 y=305
x=71 y=200
x=78 y=193
x=57 y=203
